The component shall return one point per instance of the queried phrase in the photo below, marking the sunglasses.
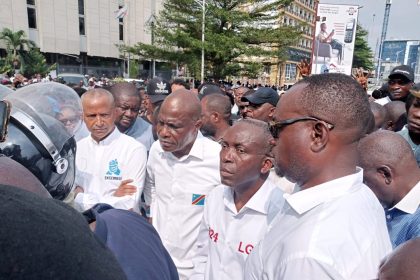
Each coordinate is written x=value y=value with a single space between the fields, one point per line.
x=276 y=126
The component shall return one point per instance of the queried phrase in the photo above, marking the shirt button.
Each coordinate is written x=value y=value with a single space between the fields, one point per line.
x=388 y=216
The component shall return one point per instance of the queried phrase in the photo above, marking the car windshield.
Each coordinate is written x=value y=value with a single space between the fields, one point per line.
x=75 y=80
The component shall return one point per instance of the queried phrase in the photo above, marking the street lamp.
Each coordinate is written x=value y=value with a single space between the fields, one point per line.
x=203 y=29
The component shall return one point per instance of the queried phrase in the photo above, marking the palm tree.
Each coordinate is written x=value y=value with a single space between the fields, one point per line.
x=16 y=43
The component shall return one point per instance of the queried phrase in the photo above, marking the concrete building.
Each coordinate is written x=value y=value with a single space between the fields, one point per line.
x=82 y=36
x=397 y=52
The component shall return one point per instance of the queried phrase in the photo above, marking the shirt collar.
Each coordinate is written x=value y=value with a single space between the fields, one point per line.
x=111 y=137
x=410 y=201
x=259 y=202
x=303 y=201
x=197 y=150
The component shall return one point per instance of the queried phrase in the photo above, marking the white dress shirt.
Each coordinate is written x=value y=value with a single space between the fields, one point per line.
x=176 y=189
x=227 y=236
x=335 y=230
x=100 y=168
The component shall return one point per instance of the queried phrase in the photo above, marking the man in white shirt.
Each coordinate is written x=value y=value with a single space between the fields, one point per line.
x=332 y=226
x=392 y=173
x=110 y=166
x=183 y=167
x=237 y=213
x=127 y=107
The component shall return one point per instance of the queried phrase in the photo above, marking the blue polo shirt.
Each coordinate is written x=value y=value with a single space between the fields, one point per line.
x=403 y=220
x=134 y=242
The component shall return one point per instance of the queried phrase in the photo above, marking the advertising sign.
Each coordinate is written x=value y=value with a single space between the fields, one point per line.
x=335 y=34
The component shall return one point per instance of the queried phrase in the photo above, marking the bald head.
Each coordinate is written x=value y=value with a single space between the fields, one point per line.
x=124 y=88
x=218 y=103
x=14 y=174
x=97 y=93
x=396 y=117
x=260 y=133
x=384 y=147
x=379 y=113
x=402 y=263
x=183 y=101
x=390 y=168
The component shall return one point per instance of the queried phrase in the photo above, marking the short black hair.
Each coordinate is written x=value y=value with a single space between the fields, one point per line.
x=337 y=99
x=219 y=103
x=181 y=82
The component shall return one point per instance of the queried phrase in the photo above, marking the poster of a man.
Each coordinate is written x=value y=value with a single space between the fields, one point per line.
x=334 y=41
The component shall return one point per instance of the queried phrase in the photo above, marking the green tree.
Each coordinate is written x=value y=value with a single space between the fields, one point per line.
x=22 y=53
x=234 y=30
x=362 y=56
x=16 y=42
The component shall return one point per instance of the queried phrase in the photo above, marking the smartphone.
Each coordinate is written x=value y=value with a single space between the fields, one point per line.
x=4 y=119
x=348 y=35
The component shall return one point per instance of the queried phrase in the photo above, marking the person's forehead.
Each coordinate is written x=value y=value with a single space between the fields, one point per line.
x=125 y=98
x=242 y=133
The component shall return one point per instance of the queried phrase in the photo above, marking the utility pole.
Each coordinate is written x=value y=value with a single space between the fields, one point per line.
x=203 y=29
x=383 y=36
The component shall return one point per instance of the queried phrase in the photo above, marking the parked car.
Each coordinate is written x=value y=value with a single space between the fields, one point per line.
x=72 y=79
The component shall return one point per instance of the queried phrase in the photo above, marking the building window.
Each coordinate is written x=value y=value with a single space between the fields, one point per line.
x=82 y=29
x=290 y=71
x=31 y=13
x=121 y=22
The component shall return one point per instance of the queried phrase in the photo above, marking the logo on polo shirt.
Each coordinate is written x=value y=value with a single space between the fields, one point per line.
x=113 y=171
x=198 y=199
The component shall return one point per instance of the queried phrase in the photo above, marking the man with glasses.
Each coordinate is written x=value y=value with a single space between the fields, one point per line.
x=127 y=107
x=261 y=104
x=400 y=82
x=238 y=212
x=332 y=226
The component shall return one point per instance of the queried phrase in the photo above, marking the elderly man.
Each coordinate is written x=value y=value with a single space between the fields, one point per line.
x=238 y=212
x=183 y=168
x=261 y=104
x=111 y=166
x=215 y=115
x=332 y=227
x=127 y=104
x=391 y=171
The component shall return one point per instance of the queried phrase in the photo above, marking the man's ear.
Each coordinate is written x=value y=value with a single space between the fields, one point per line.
x=266 y=165
x=320 y=136
x=198 y=123
x=271 y=114
x=386 y=173
x=215 y=116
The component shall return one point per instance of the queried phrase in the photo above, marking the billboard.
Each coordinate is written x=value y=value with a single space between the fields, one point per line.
x=335 y=33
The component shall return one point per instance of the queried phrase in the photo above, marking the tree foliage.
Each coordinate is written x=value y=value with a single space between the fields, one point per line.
x=234 y=30
x=362 y=56
x=22 y=53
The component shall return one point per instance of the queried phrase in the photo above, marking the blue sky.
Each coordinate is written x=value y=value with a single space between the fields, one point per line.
x=404 y=20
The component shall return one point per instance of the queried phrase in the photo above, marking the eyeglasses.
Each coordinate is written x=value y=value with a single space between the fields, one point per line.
x=398 y=81
x=276 y=126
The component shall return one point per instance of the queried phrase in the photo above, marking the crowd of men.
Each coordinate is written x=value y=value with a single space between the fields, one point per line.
x=321 y=182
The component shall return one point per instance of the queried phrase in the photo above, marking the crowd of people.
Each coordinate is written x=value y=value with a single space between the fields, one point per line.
x=238 y=182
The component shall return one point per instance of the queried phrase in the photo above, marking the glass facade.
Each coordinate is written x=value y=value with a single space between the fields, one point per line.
x=394 y=51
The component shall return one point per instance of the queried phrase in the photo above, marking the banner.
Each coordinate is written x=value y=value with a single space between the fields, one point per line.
x=335 y=33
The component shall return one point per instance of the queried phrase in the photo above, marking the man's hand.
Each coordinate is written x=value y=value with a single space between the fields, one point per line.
x=125 y=188
x=304 y=68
